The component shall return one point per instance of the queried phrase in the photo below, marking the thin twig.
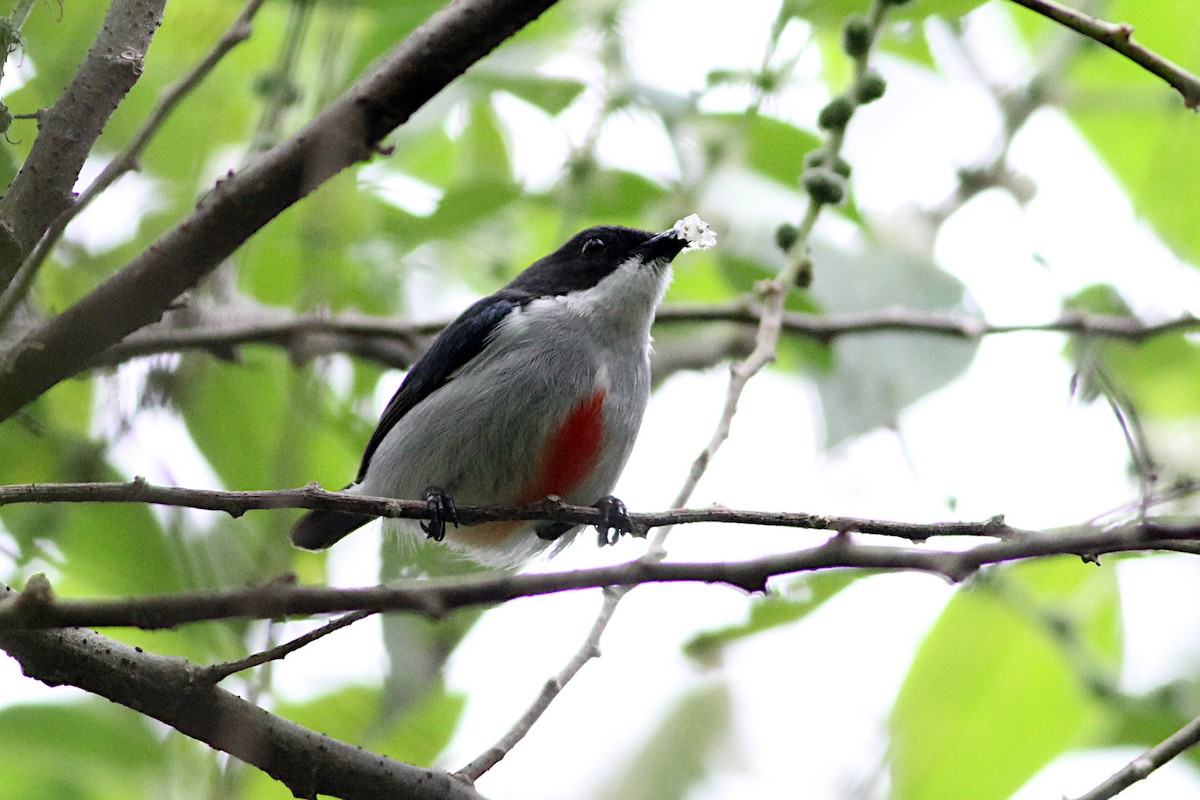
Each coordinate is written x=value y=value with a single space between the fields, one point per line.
x=1136 y=440
x=125 y=161
x=774 y=293
x=1119 y=37
x=219 y=672
x=1141 y=767
x=553 y=687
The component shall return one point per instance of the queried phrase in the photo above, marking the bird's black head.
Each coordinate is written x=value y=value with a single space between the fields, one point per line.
x=592 y=255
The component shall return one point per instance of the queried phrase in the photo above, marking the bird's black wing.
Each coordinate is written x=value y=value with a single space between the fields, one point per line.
x=456 y=345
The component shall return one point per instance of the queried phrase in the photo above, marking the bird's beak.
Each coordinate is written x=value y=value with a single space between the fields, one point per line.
x=663 y=247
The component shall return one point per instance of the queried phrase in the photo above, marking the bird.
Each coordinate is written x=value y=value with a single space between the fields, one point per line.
x=536 y=390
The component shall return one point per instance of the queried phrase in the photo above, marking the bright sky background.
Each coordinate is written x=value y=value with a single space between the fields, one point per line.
x=811 y=700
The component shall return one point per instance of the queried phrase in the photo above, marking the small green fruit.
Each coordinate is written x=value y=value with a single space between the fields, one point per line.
x=835 y=114
x=824 y=185
x=856 y=37
x=786 y=235
x=870 y=87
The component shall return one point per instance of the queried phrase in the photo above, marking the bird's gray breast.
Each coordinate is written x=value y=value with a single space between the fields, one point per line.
x=480 y=436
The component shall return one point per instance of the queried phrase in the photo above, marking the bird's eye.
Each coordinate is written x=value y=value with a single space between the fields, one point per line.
x=593 y=247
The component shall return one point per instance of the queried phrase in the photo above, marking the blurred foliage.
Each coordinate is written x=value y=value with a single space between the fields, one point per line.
x=1021 y=666
x=989 y=679
x=772 y=611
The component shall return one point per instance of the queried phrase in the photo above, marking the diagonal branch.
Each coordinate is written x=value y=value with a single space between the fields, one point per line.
x=1141 y=767
x=171 y=691
x=550 y=690
x=216 y=673
x=66 y=131
x=1119 y=37
x=347 y=131
x=125 y=161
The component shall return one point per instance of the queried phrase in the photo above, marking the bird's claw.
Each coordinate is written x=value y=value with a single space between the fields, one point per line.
x=615 y=522
x=441 y=510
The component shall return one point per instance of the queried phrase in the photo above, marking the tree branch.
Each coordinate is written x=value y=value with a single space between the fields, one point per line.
x=216 y=673
x=435 y=598
x=172 y=691
x=553 y=687
x=125 y=161
x=344 y=133
x=313 y=496
x=1119 y=37
x=308 y=335
x=68 y=130
x=1141 y=767
x=304 y=336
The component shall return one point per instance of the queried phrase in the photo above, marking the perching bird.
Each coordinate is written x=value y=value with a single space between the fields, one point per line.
x=536 y=390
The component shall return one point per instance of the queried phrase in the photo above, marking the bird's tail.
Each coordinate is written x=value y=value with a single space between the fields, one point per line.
x=321 y=528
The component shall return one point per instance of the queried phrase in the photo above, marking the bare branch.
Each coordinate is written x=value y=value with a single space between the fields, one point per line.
x=829 y=327
x=345 y=133
x=553 y=687
x=126 y=160
x=170 y=690
x=1119 y=37
x=67 y=131
x=219 y=672
x=396 y=343
x=390 y=342
x=435 y=598
x=313 y=496
x=1141 y=767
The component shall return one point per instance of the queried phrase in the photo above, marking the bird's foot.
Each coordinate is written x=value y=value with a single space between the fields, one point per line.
x=616 y=520
x=441 y=510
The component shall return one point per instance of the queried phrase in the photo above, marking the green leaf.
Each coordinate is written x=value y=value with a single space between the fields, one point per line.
x=345 y=714
x=109 y=750
x=1160 y=377
x=879 y=375
x=768 y=613
x=113 y=549
x=355 y=714
x=1084 y=602
x=1098 y=298
x=552 y=95
x=462 y=206
x=241 y=417
x=1147 y=721
x=777 y=149
x=619 y=197
x=990 y=699
x=422 y=734
x=425 y=154
x=834 y=12
x=770 y=147
x=482 y=153
x=1137 y=124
